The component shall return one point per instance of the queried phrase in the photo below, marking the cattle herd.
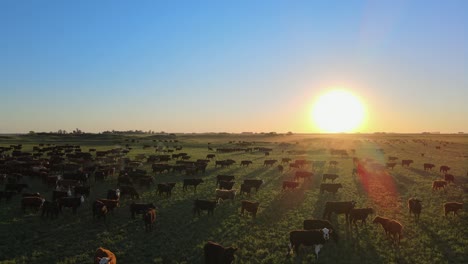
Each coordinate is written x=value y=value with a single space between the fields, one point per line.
x=69 y=174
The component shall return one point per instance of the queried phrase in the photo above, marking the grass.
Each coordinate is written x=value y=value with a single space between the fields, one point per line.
x=179 y=237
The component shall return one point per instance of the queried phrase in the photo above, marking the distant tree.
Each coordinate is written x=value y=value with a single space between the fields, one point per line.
x=32 y=132
x=289 y=133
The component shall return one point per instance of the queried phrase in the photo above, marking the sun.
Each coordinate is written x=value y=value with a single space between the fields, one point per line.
x=338 y=111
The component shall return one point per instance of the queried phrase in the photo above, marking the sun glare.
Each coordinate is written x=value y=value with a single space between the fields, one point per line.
x=338 y=111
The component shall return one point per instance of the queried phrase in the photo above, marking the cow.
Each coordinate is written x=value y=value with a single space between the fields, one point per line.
x=449 y=178
x=82 y=190
x=227 y=185
x=204 y=205
x=390 y=165
x=32 y=202
x=99 y=209
x=310 y=224
x=165 y=188
x=428 y=166
x=303 y=175
x=249 y=206
x=50 y=208
x=110 y=203
x=225 y=194
x=444 y=169
x=140 y=208
x=245 y=188
x=406 y=163
x=316 y=237
x=113 y=194
x=390 y=226
x=290 y=185
x=210 y=156
x=245 y=163
x=191 y=182
x=338 y=208
x=224 y=178
x=356 y=214
x=70 y=202
x=452 y=207
x=104 y=256
x=254 y=183
x=129 y=191
x=330 y=187
x=149 y=217
x=331 y=177
x=285 y=160
x=436 y=185
x=217 y=254
x=145 y=181
x=280 y=168
x=414 y=207
x=16 y=187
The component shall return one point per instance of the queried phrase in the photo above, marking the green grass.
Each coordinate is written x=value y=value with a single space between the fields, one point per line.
x=179 y=237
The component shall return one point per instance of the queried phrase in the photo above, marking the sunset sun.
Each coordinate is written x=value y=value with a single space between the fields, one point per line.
x=338 y=111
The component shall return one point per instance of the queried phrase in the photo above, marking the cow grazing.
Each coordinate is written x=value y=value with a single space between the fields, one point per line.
x=436 y=185
x=428 y=166
x=204 y=205
x=191 y=182
x=311 y=224
x=254 y=183
x=330 y=187
x=390 y=165
x=338 y=208
x=166 y=188
x=104 y=256
x=149 y=217
x=406 y=163
x=217 y=254
x=303 y=175
x=444 y=169
x=70 y=202
x=414 y=207
x=226 y=185
x=140 y=208
x=99 y=209
x=449 y=178
x=245 y=163
x=249 y=206
x=210 y=156
x=111 y=204
x=331 y=177
x=290 y=185
x=390 y=226
x=225 y=194
x=269 y=162
x=129 y=191
x=316 y=237
x=32 y=202
x=224 y=178
x=452 y=207
x=359 y=214
x=285 y=160
x=50 y=208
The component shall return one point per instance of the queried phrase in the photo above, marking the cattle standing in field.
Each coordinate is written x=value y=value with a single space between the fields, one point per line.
x=166 y=188
x=338 y=208
x=452 y=207
x=245 y=163
x=254 y=183
x=311 y=224
x=444 y=169
x=330 y=187
x=110 y=203
x=70 y=202
x=224 y=178
x=204 y=205
x=359 y=214
x=331 y=177
x=225 y=194
x=406 y=163
x=99 y=209
x=32 y=202
x=217 y=254
x=249 y=206
x=129 y=191
x=140 y=208
x=390 y=165
x=449 y=178
x=210 y=156
x=390 y=226
x=303 y=175
x=436 y=185
x=269 y=162
x=245 y=188
x=316 y=237
x=227 y=185
x=191 y=182
x=414 y=207
x=149 y=218
x=285 y=160
x=428 y=166
x=290 y=185
x=50 y=209
x=104 y=256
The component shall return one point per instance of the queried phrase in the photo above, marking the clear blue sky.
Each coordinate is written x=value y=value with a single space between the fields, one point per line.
x=201 y=66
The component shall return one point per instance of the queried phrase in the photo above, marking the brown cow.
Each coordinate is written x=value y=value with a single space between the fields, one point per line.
x=390 y=165
x=225 y=194
x=390 y=226
x=449 y=178
x=32 y=202
x=444 y=169
x=110 y=203
x=428 y=166
x=217 y=254
x=245 y=163
x=249 y=206
x=303 y=175
x=254 y=183
x=406 y=163
x=436 y=185
x=452 y=207
x=104 y=256
x=359 y=214
x=149 y=218
x=99 y=209
x=204 y=205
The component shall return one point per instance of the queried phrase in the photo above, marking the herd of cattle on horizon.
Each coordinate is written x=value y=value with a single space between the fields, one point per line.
x=67 y=170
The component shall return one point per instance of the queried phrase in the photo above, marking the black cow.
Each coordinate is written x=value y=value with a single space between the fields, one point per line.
x=70 y=202
x=204 y=205
x=311 y=224
x=254 y=183
x=166 y=188
x=129 y=191
x=316 y=237
x=338 y=208
x=140 y=208
x=415 y=207
x=50 y=208
x=359 y=214
x=226 y=185
x=217 y=254
x=191 y=182
x=249 y=206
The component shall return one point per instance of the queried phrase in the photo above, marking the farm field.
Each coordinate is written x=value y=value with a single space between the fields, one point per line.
x=179 y=236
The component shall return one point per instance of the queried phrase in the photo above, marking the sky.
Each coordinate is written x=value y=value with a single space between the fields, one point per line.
x=231 y=66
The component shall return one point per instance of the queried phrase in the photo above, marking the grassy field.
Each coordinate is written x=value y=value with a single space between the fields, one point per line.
x=179 y=237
